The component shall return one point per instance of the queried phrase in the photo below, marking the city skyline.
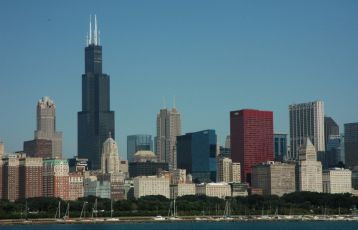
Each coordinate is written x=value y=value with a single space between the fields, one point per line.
x=214 y=58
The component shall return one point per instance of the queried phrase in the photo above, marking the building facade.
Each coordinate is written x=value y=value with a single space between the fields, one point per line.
x=76 y=186
x=337 y=180
x=220 y=190
x=308 y=169
x=110 y=162
x=274 y=178
x=30 y=177
x=139 y=142
x=46 y=126
x=38 y=148
x=168 y=128
x=331 y=128
x=2 y=151
x=306 y=120
x=223 y=169
x=56 y=178
x=280 y=146
x=11 y=186
x=151 y=185
x=181 y=189
x=251 y=133
x=196 y=153
x=351 y=144
x=96 y=119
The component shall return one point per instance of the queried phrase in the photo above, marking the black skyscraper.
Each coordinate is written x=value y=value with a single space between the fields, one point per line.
x=95 y=121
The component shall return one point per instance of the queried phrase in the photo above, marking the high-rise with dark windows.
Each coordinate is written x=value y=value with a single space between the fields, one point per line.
x=196 y=152
x=351 y=144
x=96 y=120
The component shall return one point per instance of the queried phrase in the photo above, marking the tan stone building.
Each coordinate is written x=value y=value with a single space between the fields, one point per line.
x=223 y=169
x=220 y=190
x=308 y=169
x=178 y=190
x=151 y=185
x=168 y=128
x=274 y=178
x=76 y=186
x=337 y=180
x=236 y=172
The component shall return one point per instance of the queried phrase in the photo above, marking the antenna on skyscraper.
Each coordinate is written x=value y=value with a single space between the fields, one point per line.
x=164 y=103
x=95 y=32
x=174 y=102
x=90 y=31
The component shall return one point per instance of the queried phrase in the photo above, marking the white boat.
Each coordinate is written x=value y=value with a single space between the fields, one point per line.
x=159 y=218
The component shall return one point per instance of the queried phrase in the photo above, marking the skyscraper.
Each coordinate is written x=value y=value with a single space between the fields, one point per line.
x=2 y=150
x=306 y=120
x=137 y=143
x=351 y=144
x=46 y=126
x=330 y=128
x=197 y=154
x=251 y=133
x=96 y=119
x=280 y=145
x=168 y=128
x=308 y=169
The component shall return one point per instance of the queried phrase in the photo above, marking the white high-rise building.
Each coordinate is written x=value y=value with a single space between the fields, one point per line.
x=110 y=157
x=46 y=126
x=306 y=120
x=223 y=169
x=236 y=172
x=308 y=169
x=168 y=128
x=337 y=180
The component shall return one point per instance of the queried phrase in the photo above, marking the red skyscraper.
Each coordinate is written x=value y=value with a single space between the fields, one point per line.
x=251 y=134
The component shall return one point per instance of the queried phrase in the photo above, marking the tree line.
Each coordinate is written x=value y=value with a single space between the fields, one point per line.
x=296 y=203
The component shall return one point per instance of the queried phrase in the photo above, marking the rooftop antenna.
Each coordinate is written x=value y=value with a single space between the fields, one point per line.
x=87 y=40
x=99 y=37
x=90 y=31
x=174 y=106
x=164 y=103
x=95 y=32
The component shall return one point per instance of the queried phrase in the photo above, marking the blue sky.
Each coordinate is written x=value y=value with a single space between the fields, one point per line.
x=213 y=56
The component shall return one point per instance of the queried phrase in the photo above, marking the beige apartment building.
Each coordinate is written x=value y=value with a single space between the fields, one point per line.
x=337 y=180
x=274 y=178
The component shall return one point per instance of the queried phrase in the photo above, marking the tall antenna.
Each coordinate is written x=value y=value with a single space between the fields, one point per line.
x=95 y=30
x=164 y=103
x=90 y=31
x=174 y=105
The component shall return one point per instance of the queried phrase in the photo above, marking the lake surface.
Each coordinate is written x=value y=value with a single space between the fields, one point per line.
x=279 y=225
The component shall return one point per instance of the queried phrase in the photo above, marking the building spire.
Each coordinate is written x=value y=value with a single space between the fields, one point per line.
x=90 y=31
x=95 y=32
x=93 y=38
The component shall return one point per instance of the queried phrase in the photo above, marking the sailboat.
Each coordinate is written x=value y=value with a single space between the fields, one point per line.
x=227 y=212
x=83 y=212
x=66 y=217
x=112 y=219
x=95 y=212
x=172 y=214
x=58 y=212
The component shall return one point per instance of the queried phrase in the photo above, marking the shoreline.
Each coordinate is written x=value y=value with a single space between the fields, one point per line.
x=144 y=219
